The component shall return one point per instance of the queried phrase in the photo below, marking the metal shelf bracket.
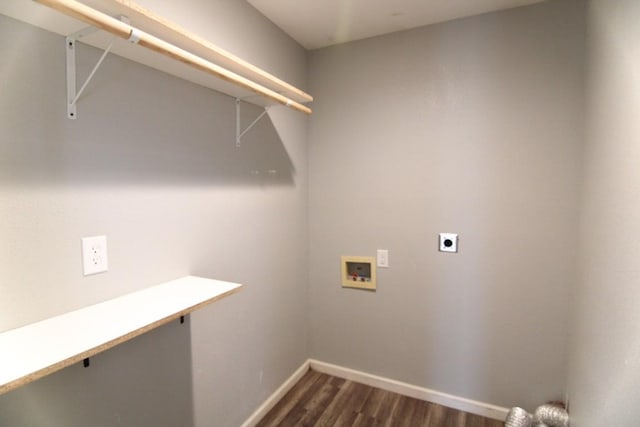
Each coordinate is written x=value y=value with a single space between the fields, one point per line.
x=239 y=132
x=72 y=94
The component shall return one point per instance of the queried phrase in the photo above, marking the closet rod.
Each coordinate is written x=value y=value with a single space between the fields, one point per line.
x=132 y=9
x=127 y=32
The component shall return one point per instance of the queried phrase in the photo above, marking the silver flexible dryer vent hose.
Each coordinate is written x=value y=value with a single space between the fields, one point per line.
x=518 y=417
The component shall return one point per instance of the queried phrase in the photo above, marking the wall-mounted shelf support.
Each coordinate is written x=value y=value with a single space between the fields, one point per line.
x=71 y=39
x=72 y=96
x=239 y=132
x=86 y=362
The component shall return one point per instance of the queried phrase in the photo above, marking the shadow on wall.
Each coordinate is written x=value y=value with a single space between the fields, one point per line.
x=135 y=125
x=122 y=386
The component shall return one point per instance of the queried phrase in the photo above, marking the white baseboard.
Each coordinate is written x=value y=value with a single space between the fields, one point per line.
x=448 y=400
x=276 y=396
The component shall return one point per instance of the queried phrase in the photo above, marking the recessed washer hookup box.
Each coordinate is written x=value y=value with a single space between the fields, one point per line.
x=359 y=272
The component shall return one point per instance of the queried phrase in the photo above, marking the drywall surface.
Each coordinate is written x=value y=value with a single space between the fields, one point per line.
x=151 y=162
x=605 y=346
x=469 y=127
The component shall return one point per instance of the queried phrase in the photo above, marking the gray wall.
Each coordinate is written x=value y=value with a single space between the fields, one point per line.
x=471 y=127
x=605 y=346
x=151 y=162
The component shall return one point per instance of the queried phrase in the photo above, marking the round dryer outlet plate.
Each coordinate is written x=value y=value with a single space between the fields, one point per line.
x=448 y=242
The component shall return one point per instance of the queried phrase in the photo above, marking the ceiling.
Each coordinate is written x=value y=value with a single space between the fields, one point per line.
x=320 y=23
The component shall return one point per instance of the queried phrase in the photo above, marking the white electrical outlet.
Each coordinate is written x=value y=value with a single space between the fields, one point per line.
x=448 y=242
x=94 y=255
x=383 y=258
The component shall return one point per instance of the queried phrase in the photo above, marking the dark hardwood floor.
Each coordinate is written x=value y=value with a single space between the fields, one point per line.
x=322 y=400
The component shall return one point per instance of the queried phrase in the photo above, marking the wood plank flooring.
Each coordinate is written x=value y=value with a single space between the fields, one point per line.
x=322 y=400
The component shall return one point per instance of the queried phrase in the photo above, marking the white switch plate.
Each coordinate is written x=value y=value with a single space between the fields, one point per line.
x=383 y=258
x=94 y=255
x=448 y=242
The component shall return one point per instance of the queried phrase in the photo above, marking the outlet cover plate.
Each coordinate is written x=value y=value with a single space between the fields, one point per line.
x=448 y=242
x=94 y=255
